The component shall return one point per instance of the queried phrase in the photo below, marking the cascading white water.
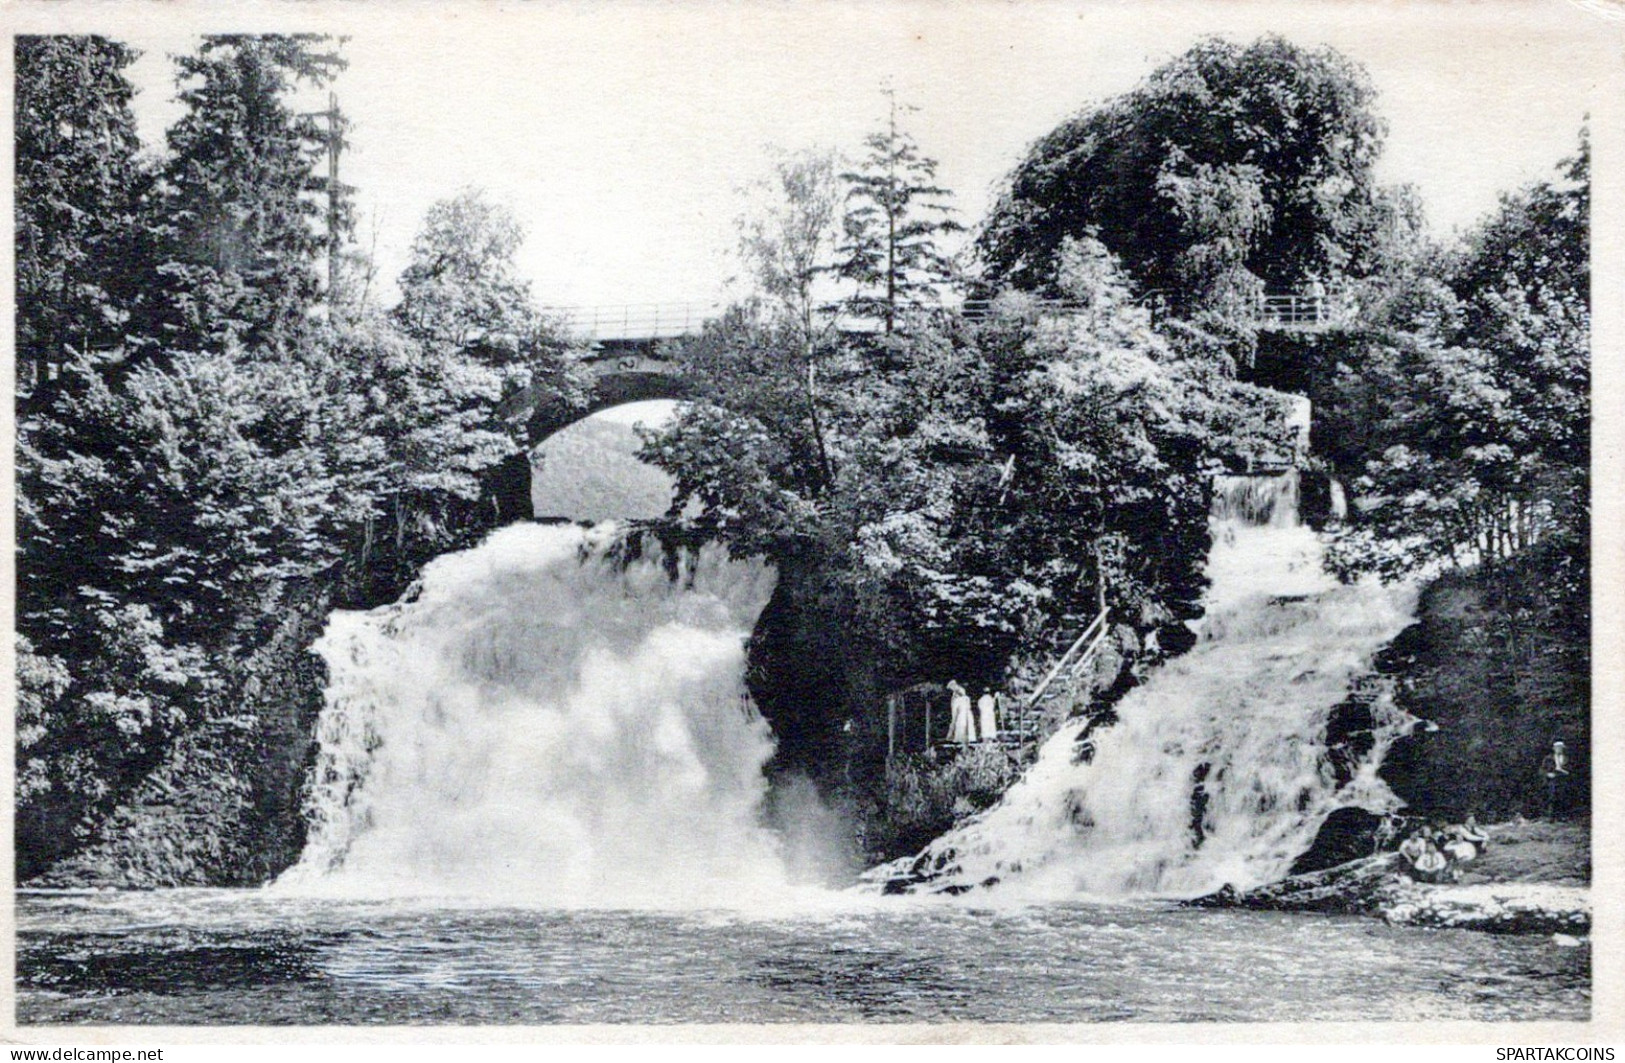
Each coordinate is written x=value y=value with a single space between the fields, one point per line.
x=1217 y=770
x=544 y=724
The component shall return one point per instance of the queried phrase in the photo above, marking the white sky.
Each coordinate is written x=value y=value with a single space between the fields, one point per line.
x=619 y=132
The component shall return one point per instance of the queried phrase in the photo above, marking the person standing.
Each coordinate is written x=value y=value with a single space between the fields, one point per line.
x=961 y=726
x=1555 y=769
x=1314 y=294
x=987 y=715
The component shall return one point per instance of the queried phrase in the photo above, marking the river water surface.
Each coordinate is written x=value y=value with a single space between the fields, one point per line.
x=186 y=957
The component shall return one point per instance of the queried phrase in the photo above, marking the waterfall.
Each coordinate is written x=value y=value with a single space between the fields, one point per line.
x=543 y=722
x=1218 y=769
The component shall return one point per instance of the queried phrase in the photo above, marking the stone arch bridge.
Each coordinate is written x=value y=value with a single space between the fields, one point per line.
x=626 y=364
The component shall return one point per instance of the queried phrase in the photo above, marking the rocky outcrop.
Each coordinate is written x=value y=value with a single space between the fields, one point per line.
x=1506 y=908
x=1354 y=887
x=1378 y=885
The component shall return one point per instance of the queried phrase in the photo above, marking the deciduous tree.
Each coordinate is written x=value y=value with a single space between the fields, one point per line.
x=1230 y=170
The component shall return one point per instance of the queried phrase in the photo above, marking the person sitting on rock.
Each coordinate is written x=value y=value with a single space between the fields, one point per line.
x=1466 y=841
x=1412 y=848
x=1431 y=865
x=1471 y=831
x=1460 y=851
x=1427 y=863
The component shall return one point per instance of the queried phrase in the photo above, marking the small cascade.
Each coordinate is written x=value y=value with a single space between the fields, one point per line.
x=543 y=722
x=1218 y=770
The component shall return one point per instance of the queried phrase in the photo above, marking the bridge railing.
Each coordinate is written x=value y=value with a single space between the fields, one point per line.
x=634 y=321
x=657 y=320
x=982 y=309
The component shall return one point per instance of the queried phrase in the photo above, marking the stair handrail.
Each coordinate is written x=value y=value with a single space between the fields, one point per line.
x=1089 y=641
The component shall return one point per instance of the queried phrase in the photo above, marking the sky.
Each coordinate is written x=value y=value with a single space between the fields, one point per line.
x=621 y=133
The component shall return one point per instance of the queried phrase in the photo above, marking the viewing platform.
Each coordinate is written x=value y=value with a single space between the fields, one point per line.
x=1303 y=313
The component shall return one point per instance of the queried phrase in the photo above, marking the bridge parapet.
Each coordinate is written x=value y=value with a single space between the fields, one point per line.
x=634 y=322
x=630 y=323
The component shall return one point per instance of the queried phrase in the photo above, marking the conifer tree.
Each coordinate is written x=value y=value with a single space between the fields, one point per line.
x=244 y=197
x=78 y=183
x=894 y=220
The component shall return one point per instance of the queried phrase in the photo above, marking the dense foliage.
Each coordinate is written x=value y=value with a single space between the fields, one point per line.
x=1477 y=406
x=1231 y=170
x=949 y=496
x=216 y=449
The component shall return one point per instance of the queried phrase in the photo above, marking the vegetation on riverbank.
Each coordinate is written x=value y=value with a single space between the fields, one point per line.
x=1500 y=662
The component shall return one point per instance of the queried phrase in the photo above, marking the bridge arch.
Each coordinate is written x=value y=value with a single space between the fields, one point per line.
x=612 y=389
x=622 y=372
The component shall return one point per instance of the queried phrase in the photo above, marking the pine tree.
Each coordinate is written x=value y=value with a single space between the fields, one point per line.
x=244 y=199
x=894 y=220
x=78 y=184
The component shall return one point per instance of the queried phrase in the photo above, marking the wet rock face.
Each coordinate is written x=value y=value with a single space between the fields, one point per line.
x=1348 y=834
x=1352 y=888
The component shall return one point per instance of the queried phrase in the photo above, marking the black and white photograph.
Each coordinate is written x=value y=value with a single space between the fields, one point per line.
x=918 y=521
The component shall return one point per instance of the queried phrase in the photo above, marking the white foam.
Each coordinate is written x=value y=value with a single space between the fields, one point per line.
x=540 y=725
x=1241 y=718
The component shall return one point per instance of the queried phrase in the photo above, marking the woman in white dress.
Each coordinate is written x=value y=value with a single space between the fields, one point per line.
x=988 y=717
x=961 y=725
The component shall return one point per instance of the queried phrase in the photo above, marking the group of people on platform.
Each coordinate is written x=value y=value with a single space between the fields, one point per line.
x=967 y=725
x=1437 y=853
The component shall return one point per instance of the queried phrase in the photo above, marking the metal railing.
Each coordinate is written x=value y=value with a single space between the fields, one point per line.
x=1301 y=311
x=982 y=309
x=653 y=321
x=633 y=321
x=1076 y=658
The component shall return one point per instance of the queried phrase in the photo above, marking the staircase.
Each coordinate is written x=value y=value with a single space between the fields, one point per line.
x=1027 y=724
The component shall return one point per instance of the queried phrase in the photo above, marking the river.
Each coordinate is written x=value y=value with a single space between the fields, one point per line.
x=197 y=957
